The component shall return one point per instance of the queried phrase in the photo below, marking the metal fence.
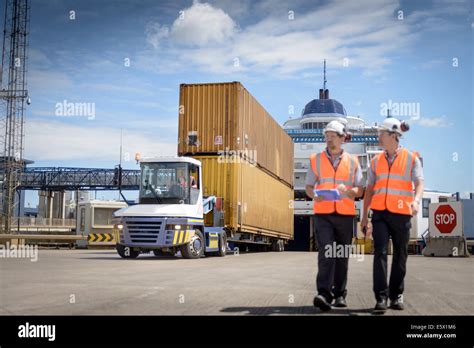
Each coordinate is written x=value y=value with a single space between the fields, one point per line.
x=43 y=222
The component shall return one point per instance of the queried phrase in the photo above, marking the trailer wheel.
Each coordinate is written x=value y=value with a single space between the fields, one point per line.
x=195 y=248
x=278 y=245
x=126 y=252
x=222 y=244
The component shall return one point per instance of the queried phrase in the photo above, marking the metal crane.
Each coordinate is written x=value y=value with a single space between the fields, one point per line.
x=13 y=96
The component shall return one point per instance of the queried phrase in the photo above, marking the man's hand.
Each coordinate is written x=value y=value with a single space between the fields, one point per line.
x=351 y=194
x=342 y=188
x=318 y=198
x=415 y=207
x=366 y=227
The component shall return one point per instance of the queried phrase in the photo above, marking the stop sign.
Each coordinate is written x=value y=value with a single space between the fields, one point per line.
x=445 y=218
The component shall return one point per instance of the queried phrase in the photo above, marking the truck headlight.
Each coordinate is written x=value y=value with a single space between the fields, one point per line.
x=176 y=227
x=118 y=225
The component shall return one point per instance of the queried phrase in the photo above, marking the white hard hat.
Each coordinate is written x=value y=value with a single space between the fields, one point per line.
x=391 y=124
x=335 y=126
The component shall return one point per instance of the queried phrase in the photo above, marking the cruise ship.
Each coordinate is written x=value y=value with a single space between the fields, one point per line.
x=307 y=134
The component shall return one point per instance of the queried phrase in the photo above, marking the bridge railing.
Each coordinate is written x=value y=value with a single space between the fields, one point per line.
x=43 y=222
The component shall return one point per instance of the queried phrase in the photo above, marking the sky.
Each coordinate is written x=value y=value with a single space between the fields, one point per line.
x=126 y=60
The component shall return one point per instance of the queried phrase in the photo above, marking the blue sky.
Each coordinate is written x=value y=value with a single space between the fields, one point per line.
x=375 y=53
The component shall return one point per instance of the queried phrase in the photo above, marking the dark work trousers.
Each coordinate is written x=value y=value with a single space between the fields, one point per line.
x=331 y=280
x=385 y=225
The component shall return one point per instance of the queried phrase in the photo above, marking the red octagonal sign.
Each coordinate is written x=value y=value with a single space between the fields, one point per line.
x=445 y=219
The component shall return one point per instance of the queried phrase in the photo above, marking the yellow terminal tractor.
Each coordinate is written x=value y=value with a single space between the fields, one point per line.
x=169 y=216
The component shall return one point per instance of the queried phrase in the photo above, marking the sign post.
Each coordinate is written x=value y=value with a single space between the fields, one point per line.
x=445 y=219
x=446 y=237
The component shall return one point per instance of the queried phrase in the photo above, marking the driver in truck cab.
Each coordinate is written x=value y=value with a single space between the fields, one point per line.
x=184 y=183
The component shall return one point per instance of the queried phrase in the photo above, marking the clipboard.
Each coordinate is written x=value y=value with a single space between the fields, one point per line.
x=329 y=195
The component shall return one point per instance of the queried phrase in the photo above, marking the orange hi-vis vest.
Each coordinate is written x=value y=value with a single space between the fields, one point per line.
x=393 y=188
x=330 y=179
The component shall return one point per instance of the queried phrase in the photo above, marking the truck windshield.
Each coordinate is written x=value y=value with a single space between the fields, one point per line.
x=166 y=183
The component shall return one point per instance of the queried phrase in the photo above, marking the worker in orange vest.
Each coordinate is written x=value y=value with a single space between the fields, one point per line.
x=333 y=169
x=390 y=196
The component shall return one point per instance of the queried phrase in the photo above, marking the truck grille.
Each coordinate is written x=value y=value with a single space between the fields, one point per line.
x=143 y=230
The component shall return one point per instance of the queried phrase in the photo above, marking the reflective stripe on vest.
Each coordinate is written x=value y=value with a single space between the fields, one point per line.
x=330 y=179
x=393 y=188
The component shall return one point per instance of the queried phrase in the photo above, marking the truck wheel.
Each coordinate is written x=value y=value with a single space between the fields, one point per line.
x=222 y=245
x=195 y=248
x=278 y=245
x=126 y=252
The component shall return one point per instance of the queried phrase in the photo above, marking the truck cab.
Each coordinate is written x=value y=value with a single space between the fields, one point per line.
x=169 y=216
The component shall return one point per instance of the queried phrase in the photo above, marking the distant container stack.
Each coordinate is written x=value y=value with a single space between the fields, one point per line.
x=247 y=158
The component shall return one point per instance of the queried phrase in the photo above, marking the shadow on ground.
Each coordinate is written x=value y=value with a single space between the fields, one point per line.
x=298 y=310
x=145 y=257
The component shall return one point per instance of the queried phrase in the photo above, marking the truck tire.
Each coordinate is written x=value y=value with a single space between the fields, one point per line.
x=278 y=245
x=126 y=252
x=222 y=245
x=195 y=248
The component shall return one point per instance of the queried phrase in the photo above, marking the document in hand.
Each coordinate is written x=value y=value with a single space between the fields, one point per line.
x=329 y=195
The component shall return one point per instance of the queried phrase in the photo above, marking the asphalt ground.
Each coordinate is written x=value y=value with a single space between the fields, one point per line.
x=80 y=282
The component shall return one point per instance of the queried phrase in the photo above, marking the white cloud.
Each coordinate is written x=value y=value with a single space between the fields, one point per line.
x=155 y=33
x=452 y=7
x=54 y=140
x=38 y=58
x=202 y=24
x=432 y=122
x=366 y=32
x=278 y=45
x=47 y=81
x=432 y=63
x=120 y=88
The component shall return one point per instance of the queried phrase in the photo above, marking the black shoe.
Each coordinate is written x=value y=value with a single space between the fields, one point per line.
x=321 y=302
x=340 y=302
x=380 y=307
x=397 y=304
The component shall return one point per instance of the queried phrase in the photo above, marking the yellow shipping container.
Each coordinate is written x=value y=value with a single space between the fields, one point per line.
x=224 y=118
x=254 y=201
